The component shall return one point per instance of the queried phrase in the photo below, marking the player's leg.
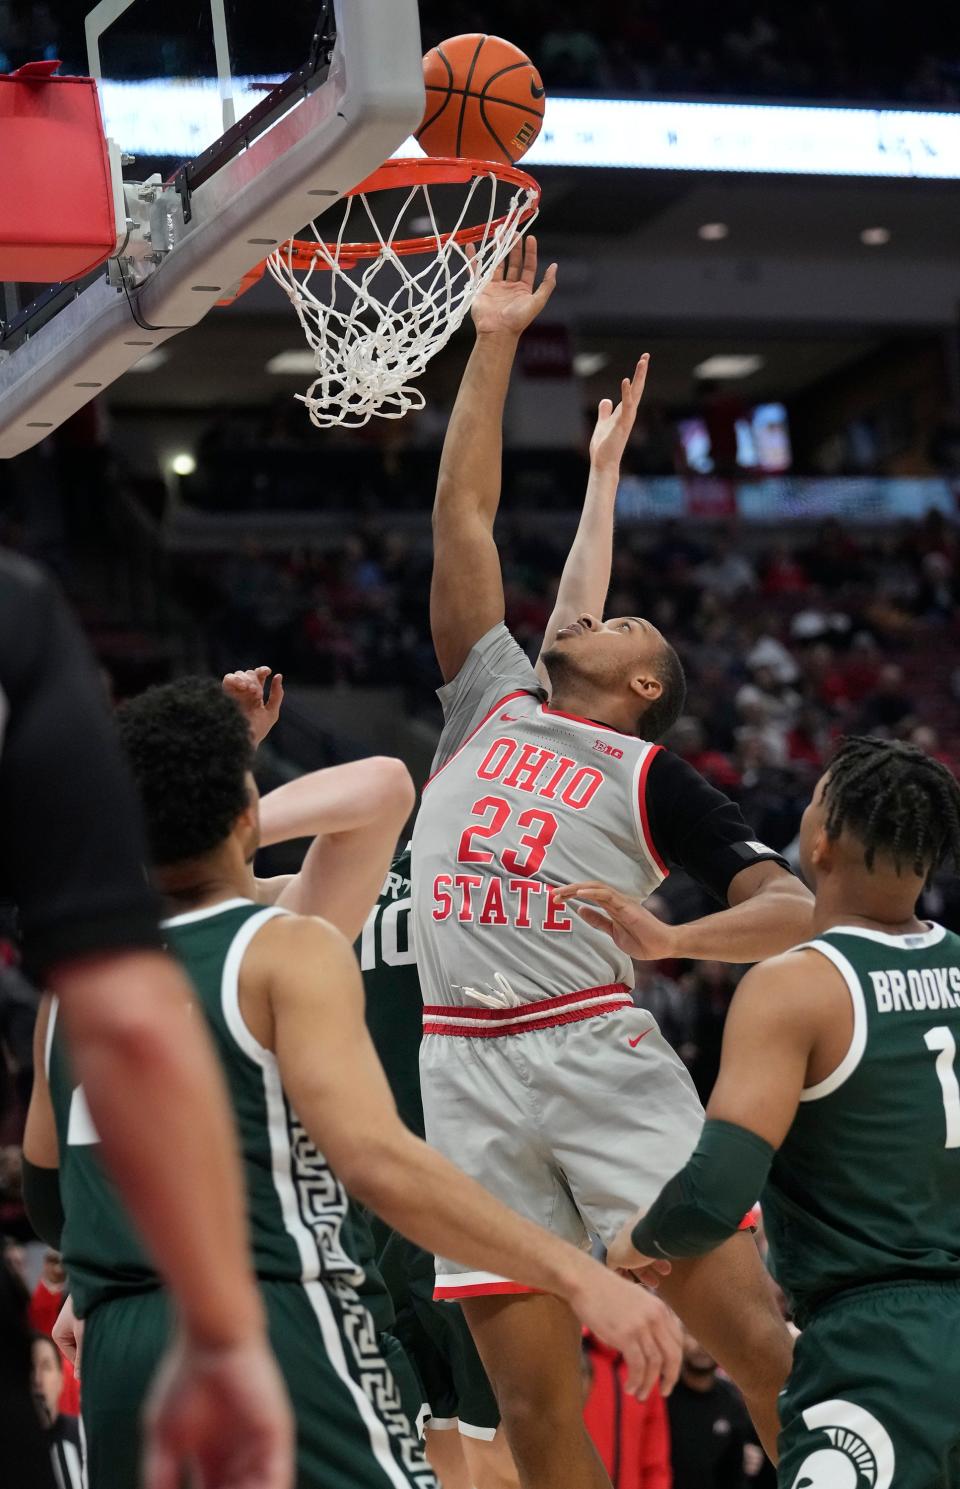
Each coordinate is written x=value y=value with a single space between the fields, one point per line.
x=446 y=1457
x=530 y=1346
x=727 y=1301
x=490 y=1461
x=624 y=1116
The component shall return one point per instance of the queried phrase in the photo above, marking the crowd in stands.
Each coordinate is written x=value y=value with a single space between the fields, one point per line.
x=748 y=48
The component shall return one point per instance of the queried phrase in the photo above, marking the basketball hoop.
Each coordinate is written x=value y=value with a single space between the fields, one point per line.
x=376 y=330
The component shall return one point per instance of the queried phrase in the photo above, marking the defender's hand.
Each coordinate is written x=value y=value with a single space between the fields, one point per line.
x=508 y=303
x=627 y=922
x=623 y=1256
x=68 y=1335
x=636 y=1324
x=221 y=1414
x=609 y=439
x=246 y=689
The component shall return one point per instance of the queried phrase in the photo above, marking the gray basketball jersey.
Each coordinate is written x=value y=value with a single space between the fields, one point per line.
x=523 y=799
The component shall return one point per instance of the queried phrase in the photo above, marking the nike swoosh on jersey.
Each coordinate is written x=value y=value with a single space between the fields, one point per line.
x=634 y=1042
x=508 y=718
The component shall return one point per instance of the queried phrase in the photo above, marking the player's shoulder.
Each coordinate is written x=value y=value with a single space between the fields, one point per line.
x=288 y=935
x=797 y=986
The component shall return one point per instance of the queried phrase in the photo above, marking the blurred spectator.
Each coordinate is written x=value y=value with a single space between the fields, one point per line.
x=726 y=572
x=709 y=987
x=888 y=704
x=630 y=1436
x=711 y=1438
x=61 y=1430
x=49 y=1293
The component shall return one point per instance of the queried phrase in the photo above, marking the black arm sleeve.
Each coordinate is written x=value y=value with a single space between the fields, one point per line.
x=72 y=850
x=696 y=828
x=42 y=1202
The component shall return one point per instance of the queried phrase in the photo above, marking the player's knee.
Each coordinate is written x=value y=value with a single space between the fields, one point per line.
x=536 y=1419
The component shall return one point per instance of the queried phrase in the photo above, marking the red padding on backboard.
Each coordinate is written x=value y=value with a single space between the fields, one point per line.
x=57 y=220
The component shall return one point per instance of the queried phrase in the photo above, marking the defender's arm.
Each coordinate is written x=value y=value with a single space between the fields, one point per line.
x=334 y=1081
x=466 y=592
x=355 y=814
x=772 y=1028
x=41 y=1151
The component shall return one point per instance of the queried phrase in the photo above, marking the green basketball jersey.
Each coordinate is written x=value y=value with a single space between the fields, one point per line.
x=295 y=1203
x=866 y=1186
x=388 y=962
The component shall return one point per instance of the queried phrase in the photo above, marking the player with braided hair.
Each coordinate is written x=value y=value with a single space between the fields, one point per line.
x=838 y=1097
x=898 y=800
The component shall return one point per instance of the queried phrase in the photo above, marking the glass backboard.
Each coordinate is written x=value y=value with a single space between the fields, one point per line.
x=176 y=73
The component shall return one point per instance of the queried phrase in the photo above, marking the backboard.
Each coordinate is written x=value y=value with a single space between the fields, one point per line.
x=233 y=124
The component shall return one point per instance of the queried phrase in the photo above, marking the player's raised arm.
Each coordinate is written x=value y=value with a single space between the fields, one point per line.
x=466 y=593
x=586 y=573
x=354 y=813
x=334 y=1081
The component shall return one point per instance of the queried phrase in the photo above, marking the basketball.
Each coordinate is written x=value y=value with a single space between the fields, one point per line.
x=485 y=99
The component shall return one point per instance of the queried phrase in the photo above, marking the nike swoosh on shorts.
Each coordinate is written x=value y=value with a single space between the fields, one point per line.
x=634 y=1042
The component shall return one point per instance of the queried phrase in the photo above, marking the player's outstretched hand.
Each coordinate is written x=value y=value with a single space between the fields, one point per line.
x=626 y=921
x=246 y=688
x=221 y=1416
x=609 y=438
x=508 y=302
x=634 y=1322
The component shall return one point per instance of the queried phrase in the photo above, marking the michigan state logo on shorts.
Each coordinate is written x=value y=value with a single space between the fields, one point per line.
x=857 y=1452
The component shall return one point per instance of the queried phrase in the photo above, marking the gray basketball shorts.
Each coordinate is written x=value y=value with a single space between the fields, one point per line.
x=573 y=1111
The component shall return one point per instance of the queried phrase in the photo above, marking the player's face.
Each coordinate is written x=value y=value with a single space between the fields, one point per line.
x=813 y=831
x=47 y=1380
x=608 y=652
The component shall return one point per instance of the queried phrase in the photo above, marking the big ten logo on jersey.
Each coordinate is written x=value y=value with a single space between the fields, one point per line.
x=387 y=937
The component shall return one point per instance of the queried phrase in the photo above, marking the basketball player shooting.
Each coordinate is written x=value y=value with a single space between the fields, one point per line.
x=539 y=1076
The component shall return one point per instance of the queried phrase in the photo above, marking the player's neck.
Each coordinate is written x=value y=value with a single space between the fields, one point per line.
x=597 y=708
x=838 y=903
x=203 y=882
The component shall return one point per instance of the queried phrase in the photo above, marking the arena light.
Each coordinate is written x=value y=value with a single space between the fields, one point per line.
x=293 y=363
x=168 y=117
x=875 y=237
x=183 y=463
x=585 y=364
x=713 y=232
x=728 y=365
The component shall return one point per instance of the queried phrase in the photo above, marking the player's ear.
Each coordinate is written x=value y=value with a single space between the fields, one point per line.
x=646 y=685
x=821 y=851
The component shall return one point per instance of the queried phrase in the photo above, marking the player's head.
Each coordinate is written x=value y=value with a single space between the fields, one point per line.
x=47 y=1374
x=621 y=671
x=697 y=1361
x=191 y=756
x=883 y=810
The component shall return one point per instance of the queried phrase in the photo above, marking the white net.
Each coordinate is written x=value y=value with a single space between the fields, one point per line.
x=373 y=326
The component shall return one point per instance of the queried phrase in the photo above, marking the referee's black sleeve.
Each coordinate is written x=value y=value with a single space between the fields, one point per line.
x=696 y=828
x=72 y=850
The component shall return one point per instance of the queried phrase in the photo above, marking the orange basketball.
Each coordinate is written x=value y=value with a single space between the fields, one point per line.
x=484 y=99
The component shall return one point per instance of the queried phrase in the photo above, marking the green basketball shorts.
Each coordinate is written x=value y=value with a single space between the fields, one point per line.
x=873 y=1400
x=352 y=1432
